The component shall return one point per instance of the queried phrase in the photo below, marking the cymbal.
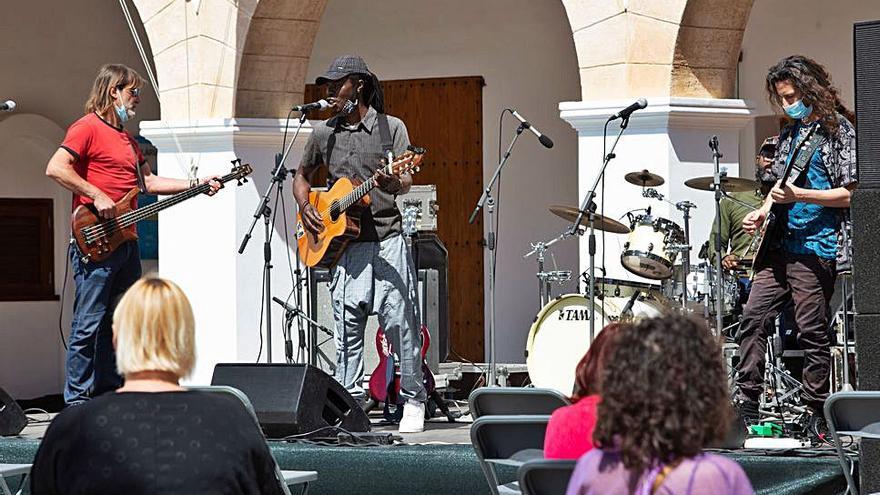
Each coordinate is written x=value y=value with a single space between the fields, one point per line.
x=728 y=184
x=644 y=179
x=570 y=213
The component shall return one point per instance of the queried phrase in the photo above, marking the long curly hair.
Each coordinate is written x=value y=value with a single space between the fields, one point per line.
x=664 y=392
x=814 y=83
x=588 y=374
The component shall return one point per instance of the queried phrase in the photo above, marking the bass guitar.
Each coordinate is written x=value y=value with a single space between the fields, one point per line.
x=97 y=238
x=340 y=210
x=770 y=231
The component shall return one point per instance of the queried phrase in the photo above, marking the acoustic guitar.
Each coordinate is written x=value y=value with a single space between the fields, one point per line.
x=97 y=238
x=340 y=209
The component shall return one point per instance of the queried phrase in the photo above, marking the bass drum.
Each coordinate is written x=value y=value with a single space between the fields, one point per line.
x=560 y=336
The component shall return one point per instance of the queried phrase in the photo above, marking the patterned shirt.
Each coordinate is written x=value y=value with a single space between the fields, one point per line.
x=838 y=155
x=356 y=152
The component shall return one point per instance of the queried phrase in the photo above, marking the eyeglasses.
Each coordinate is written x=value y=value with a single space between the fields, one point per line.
x=136 y=92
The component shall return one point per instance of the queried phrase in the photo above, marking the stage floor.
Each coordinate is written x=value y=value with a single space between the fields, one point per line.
x=442 y=461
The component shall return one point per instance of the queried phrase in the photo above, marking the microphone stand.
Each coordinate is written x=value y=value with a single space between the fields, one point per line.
x=719 y=274
x=263 y=210
x=588 y=207
x=487 y=200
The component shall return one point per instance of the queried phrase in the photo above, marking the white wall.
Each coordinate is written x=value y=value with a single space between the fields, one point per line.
x=51 y=51
x=525 y=52
x=818 y=29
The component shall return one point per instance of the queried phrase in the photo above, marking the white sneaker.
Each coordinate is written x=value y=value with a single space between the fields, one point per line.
x=413 y=420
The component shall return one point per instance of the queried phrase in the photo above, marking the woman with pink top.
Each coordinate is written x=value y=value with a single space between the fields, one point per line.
x=570 y=430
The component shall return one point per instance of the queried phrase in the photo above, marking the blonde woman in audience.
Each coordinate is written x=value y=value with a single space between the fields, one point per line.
x=152 y=435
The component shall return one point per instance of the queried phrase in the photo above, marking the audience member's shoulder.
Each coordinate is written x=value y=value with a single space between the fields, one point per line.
x=713 y=468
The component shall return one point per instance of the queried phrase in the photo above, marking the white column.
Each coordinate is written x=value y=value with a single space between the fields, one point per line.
x=199 y=239
x=669 y=138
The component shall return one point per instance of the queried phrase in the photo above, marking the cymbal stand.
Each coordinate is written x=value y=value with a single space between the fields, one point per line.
x=685 y=208
x=719 y=274
x=588 y=208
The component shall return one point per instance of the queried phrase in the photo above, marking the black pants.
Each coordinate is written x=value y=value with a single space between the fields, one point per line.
x=810 y=282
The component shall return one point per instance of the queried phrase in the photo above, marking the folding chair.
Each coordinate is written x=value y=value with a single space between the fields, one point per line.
x=515 y=400
x=856 y=414
x=286 y=478
x=7 y=470
x=545 y=476
x=507 y=441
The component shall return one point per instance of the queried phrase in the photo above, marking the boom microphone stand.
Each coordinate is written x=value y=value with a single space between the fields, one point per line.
x=263 y=210
x=588 y=207
x=487 y=200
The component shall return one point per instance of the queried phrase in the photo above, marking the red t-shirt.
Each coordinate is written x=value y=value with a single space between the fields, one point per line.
x=570 y=430
x=106 y=157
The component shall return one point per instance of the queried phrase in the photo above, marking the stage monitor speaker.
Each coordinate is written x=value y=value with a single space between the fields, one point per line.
x=293 y=399
x=12 y=418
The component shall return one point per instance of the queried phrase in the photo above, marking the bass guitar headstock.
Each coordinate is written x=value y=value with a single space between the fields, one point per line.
x=240 y=171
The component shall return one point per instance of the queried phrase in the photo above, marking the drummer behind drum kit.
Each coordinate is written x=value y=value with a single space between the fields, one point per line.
x=557 y=340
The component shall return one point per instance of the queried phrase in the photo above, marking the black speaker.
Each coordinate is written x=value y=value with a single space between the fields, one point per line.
x=866 y=250
x=866 y=45
x=12 y=418
x=293 y=399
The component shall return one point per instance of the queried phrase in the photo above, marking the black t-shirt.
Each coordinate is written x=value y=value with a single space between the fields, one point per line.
x=167 y=442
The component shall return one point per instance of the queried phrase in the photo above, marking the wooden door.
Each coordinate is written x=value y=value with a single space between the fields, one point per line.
x=445 y=116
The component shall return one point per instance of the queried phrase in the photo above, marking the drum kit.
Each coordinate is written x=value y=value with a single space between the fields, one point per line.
x=557 y=339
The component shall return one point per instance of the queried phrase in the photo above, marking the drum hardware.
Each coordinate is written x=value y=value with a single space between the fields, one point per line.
x=545 y=278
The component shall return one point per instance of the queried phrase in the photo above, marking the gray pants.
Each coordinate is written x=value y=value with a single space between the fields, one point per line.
x=377 y=278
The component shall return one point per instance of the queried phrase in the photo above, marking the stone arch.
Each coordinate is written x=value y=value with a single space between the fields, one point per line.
x=276 y=56
x=707 y=48
x=672 y=48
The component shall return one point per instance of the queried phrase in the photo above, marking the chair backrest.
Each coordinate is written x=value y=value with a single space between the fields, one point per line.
x=853 y=411
x=238 y=394
x=515 y=400
x=507 y=440
x=545 y=476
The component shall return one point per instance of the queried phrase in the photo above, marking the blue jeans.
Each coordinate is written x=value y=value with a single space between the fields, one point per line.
x=91 y=361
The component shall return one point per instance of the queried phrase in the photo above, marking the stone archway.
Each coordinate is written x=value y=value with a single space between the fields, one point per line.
x=276 y=56
x=686 y=48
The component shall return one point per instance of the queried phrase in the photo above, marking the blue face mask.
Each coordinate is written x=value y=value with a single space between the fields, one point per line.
x=798 y=110
x=121 y=113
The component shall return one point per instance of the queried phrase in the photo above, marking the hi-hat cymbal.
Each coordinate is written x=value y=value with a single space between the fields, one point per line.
x=644 y=179
x=570 y=213
x=728 y=184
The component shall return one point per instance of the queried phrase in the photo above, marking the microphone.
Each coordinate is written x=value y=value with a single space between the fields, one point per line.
x=638 y=105
x=286 y=306
x=546 y=141
x=7 y=106
x=627 y=310
x=308 y=107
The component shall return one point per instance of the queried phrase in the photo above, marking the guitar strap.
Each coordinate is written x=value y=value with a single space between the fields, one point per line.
x=385 y=136
x=805 y=153
x=142 y=186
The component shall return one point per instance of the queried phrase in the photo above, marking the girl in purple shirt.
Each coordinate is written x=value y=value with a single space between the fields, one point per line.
x=664 y=398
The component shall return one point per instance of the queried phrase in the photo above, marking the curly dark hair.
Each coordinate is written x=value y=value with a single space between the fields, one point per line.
x=814 y=83
x=664 y=392
x=588 y=375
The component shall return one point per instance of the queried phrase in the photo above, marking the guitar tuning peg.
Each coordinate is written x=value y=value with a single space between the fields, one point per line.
x=417 y=169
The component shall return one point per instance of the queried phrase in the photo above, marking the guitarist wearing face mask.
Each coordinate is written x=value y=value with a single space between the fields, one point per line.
x=375 y=272
x=100 y=162
x=807 y=241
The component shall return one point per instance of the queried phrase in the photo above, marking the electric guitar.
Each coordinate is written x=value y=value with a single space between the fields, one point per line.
x=340 y=209
x=97 y=238
x=770 y=230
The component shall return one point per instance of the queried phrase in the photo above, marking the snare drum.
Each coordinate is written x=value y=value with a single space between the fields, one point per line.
x=649 y=250
x=560 y=336
x=612 y=287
